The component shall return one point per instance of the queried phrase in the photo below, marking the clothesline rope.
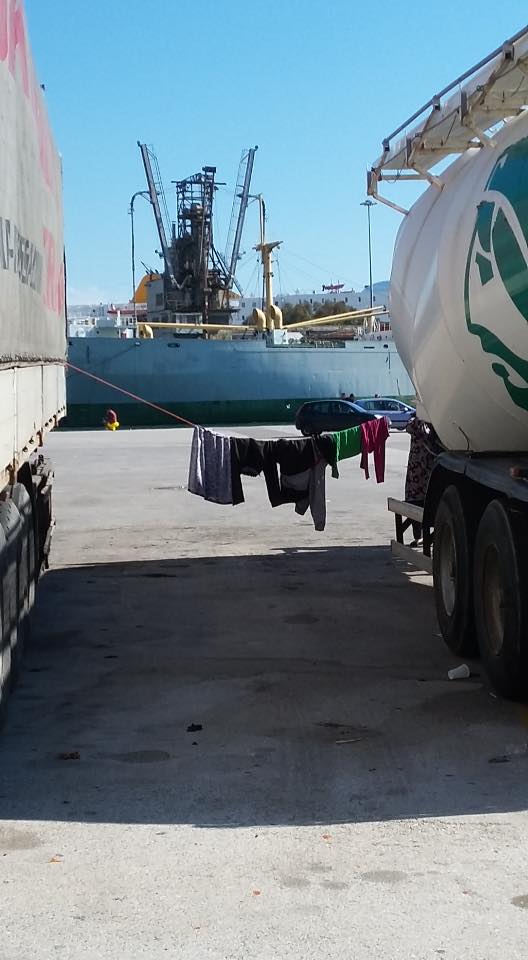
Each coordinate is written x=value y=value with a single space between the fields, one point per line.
x=134 y=396
x=127 y=393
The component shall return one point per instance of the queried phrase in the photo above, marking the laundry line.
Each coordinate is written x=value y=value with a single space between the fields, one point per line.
x=225 y=431
x=128 y=393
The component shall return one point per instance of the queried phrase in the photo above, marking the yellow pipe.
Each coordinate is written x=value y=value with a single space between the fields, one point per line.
x=202 y=327
x=213 y=327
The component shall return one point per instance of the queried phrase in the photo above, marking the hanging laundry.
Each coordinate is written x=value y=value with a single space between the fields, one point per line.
x=348 y=443
x=311 y=485
x=327 y=448
x=276 y=459
x=294 y=471
x=210 y=466
x=249 y=458
x=374 y=435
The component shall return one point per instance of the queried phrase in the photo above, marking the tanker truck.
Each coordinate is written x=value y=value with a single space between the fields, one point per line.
x=459 y=308
x=32 y=332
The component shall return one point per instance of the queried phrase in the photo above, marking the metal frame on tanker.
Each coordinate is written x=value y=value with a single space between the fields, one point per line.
x=489 y=93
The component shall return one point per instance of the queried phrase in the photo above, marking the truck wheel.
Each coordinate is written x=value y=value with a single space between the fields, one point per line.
x=452 y=575
x=6 y=604
x=25 y=569
x=38 y=519
x=501 y=605
x=12 y=526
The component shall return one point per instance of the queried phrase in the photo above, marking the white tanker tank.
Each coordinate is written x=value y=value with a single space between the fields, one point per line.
x=459 y=297
x=459 y=284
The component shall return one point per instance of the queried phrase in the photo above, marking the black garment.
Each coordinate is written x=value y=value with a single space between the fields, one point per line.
x=327 y=448
x=250 y=457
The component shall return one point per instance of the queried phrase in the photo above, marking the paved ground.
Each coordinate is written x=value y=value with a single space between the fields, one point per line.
x=340 y=799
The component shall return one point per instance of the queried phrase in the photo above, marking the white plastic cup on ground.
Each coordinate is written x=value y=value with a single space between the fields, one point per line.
x=459 y=673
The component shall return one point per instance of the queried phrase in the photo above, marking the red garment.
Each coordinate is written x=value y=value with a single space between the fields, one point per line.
x=374 y=435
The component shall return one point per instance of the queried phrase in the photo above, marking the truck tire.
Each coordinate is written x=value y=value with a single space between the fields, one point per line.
x=7 y=605
x=11 y=523
x=452 y=575
x=25 y=568
x=501 y=604
x=43 y=514
x=36 y=482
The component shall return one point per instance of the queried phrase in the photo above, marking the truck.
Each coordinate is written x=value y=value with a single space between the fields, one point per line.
x=32 y=332
x=459 y=309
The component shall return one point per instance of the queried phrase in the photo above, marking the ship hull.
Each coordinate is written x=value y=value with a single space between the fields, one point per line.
x=222 y=382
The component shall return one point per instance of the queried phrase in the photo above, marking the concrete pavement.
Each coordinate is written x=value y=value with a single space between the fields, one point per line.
x=341 y=798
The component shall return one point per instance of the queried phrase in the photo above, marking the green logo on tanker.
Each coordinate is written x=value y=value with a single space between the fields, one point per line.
x=499 y=253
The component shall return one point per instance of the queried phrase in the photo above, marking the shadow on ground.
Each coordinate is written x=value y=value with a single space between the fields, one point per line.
x=316 y=679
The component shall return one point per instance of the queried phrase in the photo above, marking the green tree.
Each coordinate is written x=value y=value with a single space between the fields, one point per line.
x=296 y=313
x=331 y=309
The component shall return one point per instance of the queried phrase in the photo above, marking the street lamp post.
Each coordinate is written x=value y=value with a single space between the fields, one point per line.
x=368 y=203
x=138 y=193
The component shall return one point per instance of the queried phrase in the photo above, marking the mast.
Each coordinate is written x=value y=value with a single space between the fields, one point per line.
x=265 y=249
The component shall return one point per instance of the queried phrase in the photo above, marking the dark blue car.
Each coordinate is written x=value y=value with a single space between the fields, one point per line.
x=318 y=416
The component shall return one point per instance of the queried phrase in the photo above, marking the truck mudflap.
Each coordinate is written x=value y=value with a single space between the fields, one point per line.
x=405 y=515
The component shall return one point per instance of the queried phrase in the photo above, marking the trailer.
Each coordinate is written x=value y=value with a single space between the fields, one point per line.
x=459 y=306
x=32 y=333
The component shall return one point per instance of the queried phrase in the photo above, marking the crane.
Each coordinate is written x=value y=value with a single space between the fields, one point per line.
x=196 y=279
x=156 y=191
x=238 y=214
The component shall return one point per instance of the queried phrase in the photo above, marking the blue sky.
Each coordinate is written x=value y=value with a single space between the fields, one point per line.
x=315 y=84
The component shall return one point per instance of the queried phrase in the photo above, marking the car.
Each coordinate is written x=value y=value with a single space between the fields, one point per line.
x=396 y=411
x=318 y=416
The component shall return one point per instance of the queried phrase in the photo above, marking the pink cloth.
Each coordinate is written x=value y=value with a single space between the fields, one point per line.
x=374 y=435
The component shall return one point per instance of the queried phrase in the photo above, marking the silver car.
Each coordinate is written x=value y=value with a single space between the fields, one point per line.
x=396 y=411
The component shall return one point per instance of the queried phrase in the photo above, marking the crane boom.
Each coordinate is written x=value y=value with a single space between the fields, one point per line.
x=238 y=214
x=153 y=193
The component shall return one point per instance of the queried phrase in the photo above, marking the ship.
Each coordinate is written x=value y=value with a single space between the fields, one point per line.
x=184 y=354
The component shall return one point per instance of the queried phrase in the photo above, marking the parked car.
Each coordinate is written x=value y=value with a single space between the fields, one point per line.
x=396 y=411
x=318 y=416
